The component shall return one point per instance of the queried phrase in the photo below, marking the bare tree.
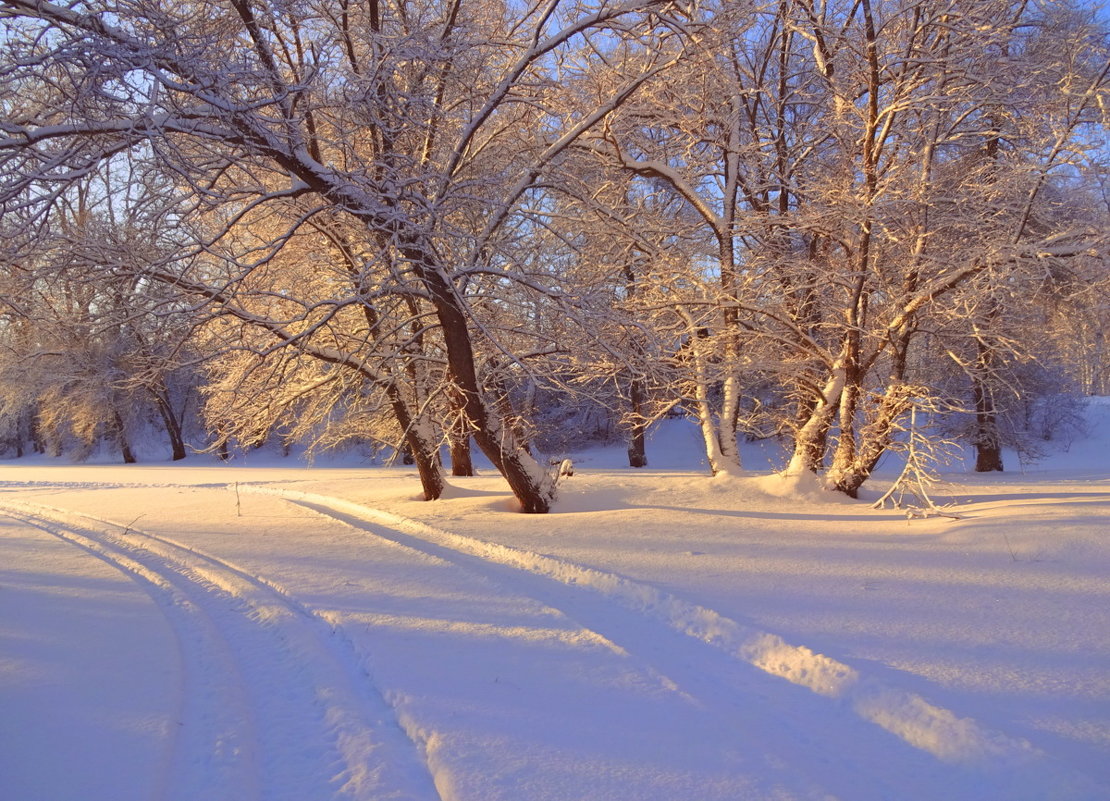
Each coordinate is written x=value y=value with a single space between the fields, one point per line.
x=425 y=123
x=91 y=357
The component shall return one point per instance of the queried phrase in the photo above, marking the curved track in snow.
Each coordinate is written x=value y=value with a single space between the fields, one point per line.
x=672 y=636
x=275 y=704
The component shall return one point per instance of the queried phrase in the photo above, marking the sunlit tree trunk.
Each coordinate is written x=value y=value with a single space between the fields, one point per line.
x=458 y=436
x=531 y=483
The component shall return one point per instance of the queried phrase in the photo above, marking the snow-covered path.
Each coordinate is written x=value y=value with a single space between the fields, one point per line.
x=334 y=648
x=83 y=712
x=273 y=704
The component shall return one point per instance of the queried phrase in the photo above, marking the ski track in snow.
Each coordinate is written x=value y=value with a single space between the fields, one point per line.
x=1000 y=762
x=274 y=703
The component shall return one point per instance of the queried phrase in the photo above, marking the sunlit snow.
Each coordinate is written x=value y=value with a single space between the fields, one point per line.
x=266 y=631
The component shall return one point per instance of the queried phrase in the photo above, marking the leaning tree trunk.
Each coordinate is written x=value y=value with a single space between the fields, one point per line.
x=811 y=436
x=862 y=452
x=503 y=405
x=121 y=439
x=421 y=444
x=874 y=438
x=171 y=423
x=533 y=485
x=889 y=409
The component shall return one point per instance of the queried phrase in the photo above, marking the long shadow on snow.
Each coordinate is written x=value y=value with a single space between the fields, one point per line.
x=801 y=727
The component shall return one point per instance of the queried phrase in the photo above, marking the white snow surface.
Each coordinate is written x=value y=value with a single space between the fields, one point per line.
x=242 y=631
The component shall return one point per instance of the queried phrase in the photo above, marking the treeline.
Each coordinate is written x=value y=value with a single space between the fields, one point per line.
x=416 y=224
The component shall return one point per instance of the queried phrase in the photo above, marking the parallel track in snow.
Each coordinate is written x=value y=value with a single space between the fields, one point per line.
x=672 y=635
x=275 y=703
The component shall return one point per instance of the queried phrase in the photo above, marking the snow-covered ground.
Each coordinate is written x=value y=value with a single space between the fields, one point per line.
x=260 y=632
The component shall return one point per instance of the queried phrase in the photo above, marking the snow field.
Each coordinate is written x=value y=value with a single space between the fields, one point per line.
x=68 y=663
x=922 y=725
x=660 y=637
x=256 y=661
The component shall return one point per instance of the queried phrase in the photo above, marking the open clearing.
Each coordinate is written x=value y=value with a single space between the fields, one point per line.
x=232 y=632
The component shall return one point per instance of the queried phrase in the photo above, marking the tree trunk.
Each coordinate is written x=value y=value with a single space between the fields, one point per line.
x=38 y=440
x=693 y=354
x=458 y=436
x=171 y=423
x=844 y=473
x=988 y=452
x=988 y=445
x=533 y=486
x=461 y=462
x=861 y=458
x=812 y=447
x=874 y=439
x=637 y=444
x=503 y=405
x=420 y=445
x=719 y=462
x=637 y=391
x=121 y=439
x=809 y=441
x=730 y=391
x=25 y=431
x=730 y=412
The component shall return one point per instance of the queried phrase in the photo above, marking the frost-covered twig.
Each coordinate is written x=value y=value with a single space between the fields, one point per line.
x=923 y=450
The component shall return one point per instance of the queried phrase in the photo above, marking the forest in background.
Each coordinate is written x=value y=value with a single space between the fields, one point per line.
x=402 y=225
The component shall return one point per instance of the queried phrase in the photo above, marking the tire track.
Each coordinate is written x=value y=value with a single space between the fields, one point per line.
x=275 y=703
x=214 y=716
x=971 y=753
